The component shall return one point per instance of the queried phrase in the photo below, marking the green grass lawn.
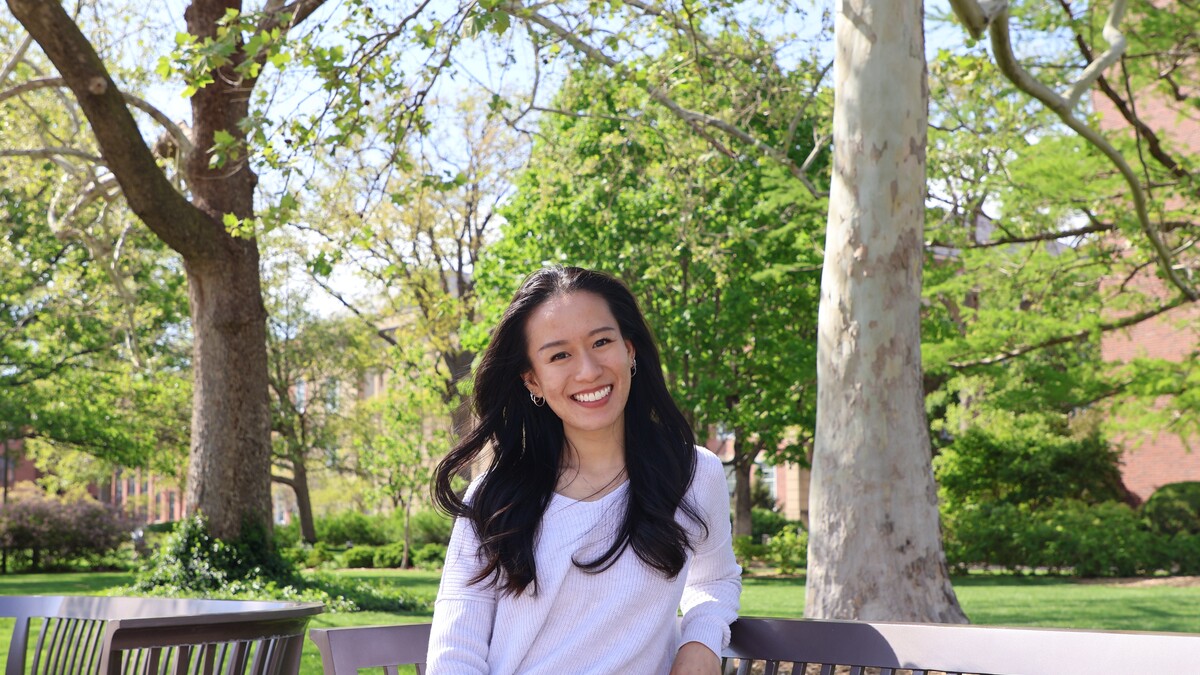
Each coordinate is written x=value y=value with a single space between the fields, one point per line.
x=1002 y=600
x=987 y=599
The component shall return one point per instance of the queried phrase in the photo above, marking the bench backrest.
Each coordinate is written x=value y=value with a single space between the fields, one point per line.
x=778 y=646
x=345 y=651
x=84 y=635
x=937 y=648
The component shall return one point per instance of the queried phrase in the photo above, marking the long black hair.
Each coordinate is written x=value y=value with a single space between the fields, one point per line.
x=527 y=444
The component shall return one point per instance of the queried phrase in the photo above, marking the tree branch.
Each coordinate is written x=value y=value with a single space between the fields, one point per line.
x=181 y=139
x=994 y=16
x=16 y=58
x=691 y=117
x=52 y=153
x=1073 y=337
x=149 y=193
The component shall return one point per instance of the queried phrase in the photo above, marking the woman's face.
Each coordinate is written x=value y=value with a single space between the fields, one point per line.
x=581 y=364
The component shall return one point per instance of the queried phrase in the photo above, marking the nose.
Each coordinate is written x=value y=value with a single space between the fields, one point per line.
x=589 y=368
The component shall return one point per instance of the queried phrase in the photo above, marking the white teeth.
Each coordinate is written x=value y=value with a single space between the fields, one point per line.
x=594 y=396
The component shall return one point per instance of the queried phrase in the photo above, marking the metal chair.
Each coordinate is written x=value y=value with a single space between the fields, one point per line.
x=85 y=635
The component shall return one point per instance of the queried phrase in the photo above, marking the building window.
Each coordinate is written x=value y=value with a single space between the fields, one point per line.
x=766 y=476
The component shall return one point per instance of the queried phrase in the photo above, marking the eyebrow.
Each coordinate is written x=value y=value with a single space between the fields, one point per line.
x=558 y=343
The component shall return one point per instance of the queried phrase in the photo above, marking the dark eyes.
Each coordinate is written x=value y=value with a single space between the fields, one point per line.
x=595 y=345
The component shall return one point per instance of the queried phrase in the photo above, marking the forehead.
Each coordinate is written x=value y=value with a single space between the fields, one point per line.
x=568 y=315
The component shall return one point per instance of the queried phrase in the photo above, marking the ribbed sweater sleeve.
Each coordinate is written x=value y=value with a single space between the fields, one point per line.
x=464 y=613
x=712 y=592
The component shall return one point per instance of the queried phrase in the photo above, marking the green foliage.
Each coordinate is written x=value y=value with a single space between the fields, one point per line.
x=760 y=496
x=1091 y=540
x=1182 y=554
x=1026 y=459
x=768 y=523
x=1174 y=508
x=391 y=556
x=748 y=550
x=361 y=556
x=430 y=556
x=92 y=350
x=315 y=365
x=374 y=595
x=287 y=536
x=351 y=527
x=430 y=526
x=317 y=555
x=191 y=561
x=1038 y=253
x=788 y=551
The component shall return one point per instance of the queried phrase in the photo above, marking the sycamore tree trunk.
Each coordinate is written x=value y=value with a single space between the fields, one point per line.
x=875 y=549
x=229 y=462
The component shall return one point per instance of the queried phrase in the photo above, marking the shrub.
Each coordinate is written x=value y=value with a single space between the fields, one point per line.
x=748 y=551
x=190 y=560
x=390 y=556
x=318 y=555
x=1174 y=508
x=767 y=523
x=1030 y=458
x=430 y=556
x=1092 y=540
x=287 y=536
x=359 y=556
x=1096 y=540
x=1182 y=554
x=50 y=532
x=351 y=527
x=986 y=534
x=191 y=563
x=788 y=551
x=429 y=526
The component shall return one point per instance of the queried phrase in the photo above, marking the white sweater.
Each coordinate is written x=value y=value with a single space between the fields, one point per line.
x=622 y=620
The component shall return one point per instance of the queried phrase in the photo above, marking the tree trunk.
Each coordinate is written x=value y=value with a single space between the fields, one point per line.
x=743 y=522
x=299 y=485
x=229 y=469
x=229 y=475
x=404 y=562
x=875 y=549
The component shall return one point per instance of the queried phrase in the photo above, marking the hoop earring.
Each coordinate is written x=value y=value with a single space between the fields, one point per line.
x=537 y=400
x=633 y=370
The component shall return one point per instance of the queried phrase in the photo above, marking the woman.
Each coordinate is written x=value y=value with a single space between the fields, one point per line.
x=598 y=517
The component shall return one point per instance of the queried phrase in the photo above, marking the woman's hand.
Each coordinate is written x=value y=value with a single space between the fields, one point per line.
x=695 y=659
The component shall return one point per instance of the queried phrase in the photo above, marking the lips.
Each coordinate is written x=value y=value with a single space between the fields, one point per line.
x=593 y=396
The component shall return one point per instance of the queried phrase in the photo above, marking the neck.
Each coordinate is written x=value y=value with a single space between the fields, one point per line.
x=598 y=452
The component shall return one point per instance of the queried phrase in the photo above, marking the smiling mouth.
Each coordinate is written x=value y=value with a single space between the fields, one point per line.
x=593 y=396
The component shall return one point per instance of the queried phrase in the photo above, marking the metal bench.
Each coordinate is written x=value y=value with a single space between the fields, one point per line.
x=811 y=647
x=86 y=635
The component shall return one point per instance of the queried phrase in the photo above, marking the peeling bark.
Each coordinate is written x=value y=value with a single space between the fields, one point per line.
x=875 y=550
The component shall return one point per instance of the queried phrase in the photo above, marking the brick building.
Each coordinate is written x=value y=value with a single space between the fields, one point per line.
x=148 y=497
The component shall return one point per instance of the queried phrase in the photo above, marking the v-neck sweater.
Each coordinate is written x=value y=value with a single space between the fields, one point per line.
x=621 y=620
